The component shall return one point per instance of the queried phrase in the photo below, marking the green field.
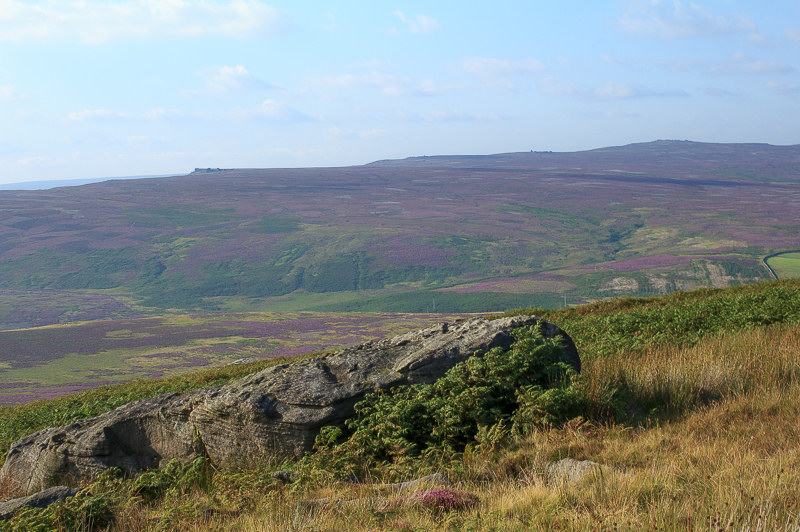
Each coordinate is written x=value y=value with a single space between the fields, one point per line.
x=786 y=265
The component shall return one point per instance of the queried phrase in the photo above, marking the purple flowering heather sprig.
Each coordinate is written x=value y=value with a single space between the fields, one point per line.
x=443 y=500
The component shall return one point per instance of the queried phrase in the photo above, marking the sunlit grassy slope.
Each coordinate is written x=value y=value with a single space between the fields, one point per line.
x=706 y=439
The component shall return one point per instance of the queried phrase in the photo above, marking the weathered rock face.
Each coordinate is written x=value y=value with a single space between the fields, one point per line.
x=275 y=413
x=43 y=499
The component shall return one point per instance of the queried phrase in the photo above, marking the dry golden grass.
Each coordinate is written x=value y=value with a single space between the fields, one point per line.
x=723 y=456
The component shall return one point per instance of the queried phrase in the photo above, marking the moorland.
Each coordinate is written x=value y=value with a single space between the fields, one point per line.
x=223 y=265
x=688 y=396
x=688 y=401
x=425 y=234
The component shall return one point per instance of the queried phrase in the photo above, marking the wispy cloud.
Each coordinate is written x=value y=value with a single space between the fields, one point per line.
x=624 y=91
x=96 y=114
x=228 y=78
x=743 y=64
x=365 y=134
x=786 y=89
x=418 y=24
x=492 y=67
x=386 y=84
x=8 y=92
x=682 y=19
x=457 y=116
x=99 y=22
x=86 y=115
x=498 y=73
x=274 y=111
x=612 y=90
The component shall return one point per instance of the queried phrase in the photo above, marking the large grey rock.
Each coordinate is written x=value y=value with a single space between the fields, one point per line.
x=273 y=414
x=43 y=499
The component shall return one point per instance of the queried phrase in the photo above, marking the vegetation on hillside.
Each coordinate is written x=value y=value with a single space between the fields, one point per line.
x=691 y=400
x=478 y=234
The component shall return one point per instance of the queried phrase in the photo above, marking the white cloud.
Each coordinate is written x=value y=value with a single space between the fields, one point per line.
x=557 y=87
x=783 y=88
x=682 y=19
x=386 y=84
x=419 y=24
x=487 y=67
x=744 y=64
x=91 y=114
x=228 y=78
x=336 y=132
x=612 y=90
x=271 y=108
x=623 y=91
x=154 y=113
x=274 y=111
x=99 y=22
x=793 y=35
x=8 y=92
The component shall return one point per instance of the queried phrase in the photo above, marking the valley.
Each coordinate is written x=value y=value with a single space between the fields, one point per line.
x=425 y=234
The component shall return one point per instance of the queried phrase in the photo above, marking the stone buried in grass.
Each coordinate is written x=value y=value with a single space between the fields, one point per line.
x=274 y=413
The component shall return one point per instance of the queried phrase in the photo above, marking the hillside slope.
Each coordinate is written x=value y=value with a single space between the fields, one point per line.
x=689 y=401
x=435 y=234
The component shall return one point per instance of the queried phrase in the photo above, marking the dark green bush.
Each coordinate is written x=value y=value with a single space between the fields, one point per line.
x=176 y=477
x=85 y=511
x=445 y=416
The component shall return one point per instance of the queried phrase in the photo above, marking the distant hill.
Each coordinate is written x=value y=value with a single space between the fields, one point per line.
x=53 y=183
x=436 y=234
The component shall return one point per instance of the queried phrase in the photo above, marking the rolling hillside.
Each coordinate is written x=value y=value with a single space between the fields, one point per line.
x=425 y=234
x=688 y=403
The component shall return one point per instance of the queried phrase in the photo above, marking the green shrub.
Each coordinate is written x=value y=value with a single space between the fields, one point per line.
x=174 y=478
x=473 y=396
x=85 y=511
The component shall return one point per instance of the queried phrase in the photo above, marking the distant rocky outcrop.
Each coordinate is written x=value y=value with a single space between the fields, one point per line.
x=275 y=413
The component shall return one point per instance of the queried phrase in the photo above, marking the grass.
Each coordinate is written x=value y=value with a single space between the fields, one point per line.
x=708 y=442
x=786 y=265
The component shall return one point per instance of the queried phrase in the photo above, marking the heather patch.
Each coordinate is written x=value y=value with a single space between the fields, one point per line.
x=33 y=308
x=82 y=355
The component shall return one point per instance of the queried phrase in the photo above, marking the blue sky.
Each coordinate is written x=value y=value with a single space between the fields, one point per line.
x=133 y=87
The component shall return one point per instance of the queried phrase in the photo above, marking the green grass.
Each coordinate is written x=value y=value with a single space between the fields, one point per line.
x=786 y=265
x=711 y=383
x=433 y=301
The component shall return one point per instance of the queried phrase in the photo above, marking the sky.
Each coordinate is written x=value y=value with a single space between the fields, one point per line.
x=138 y=87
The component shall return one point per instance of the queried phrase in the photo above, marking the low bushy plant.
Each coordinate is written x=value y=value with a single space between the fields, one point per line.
x=85 y=511
x=525 y=385
x=175 y=477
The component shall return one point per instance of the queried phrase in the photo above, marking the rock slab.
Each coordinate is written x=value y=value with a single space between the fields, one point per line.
x=571 y=471
x=43 y=499
x=270 y=415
